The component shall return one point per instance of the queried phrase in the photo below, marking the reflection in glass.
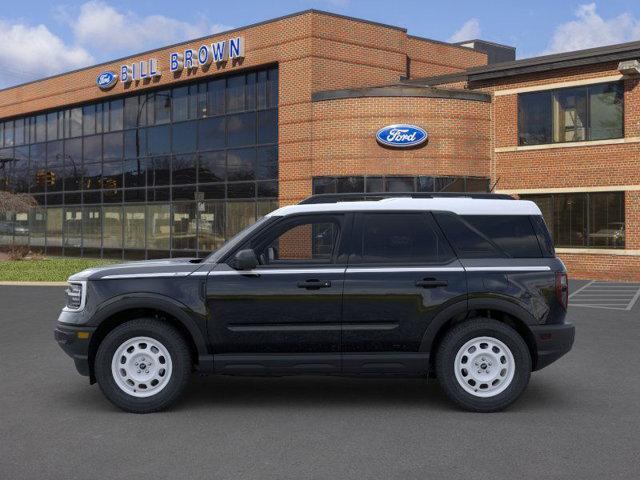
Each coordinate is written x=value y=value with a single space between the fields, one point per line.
x=134 y=226
x=158 y=227
x=112 y=225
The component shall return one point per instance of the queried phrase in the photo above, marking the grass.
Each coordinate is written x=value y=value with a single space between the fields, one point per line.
x=50 y=269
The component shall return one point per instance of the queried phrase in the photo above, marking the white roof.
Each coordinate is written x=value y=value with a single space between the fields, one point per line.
x=459 y=205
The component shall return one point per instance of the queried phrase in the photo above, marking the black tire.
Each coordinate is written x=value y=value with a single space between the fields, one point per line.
x=177 y=348
x=456 y=338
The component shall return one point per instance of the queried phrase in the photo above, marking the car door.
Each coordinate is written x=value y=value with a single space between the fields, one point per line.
x=286 y=313
x=401 y=273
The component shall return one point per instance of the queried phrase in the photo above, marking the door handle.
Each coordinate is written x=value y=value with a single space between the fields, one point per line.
x=431 y=283
x=314 y=284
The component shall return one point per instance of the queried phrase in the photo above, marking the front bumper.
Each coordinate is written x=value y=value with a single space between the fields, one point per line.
x=75 y=343
x=552 y=342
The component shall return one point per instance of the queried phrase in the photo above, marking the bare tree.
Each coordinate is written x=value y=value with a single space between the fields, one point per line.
x=16 y=202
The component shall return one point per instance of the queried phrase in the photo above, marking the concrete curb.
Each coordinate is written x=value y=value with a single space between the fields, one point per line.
x=34 y=284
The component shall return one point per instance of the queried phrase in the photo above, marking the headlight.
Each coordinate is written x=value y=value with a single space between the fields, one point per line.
x=76 y=294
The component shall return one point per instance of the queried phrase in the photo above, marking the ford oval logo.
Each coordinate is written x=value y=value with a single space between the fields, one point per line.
x=106 y=80
x=401 y=136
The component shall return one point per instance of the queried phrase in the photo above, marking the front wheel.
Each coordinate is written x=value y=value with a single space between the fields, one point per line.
x=483 y=365
x=143 y=365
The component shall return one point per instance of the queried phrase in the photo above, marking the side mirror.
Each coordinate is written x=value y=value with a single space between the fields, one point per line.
x=245 y=260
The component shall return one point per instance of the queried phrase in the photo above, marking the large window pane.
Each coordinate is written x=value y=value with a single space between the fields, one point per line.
x=112 y=237
x=241 y=129
x=162 y=107
x=606 y=220
x=116 y=119
x=606 y=104
x=215 y=97
x=184 y=226
x=112 y=145
x=158 y=227
x=211 y=226
x=158 y=140
x=92 y=149
x=73 y=227
x=570 y=115
x=131 y=112
x=240 y=214
x=180 y=103
x=211 y=133
x=212 y=167
x=134 y=226
x=54 y=227
x=241 y=164
x=89 y=120
x=92 y=227
x=184 y=169
x=268 y=126
x=534 y=118
x=235 y=93
x=37 y=226
x=184 y=137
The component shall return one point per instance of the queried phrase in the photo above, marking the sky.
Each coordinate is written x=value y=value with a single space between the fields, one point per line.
x=39 y=38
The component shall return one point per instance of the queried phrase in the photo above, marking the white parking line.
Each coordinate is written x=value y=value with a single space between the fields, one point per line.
x=610 y=296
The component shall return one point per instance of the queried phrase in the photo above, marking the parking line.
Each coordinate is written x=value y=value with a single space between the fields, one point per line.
x=634 y=300
x=582 y=288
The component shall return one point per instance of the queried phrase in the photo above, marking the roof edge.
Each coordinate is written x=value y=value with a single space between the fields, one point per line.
x=400 y=90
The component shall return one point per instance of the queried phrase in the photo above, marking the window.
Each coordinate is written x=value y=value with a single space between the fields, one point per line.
x=378 y=184
x=593 y=112
x=402 y=238
x=304 y=241
x=111 y=175
x=514 y=234
x=467 y=241
x=584 y=220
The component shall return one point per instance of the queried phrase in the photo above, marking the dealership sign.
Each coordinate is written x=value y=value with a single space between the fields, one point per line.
x=401 y=136
x=106 y=80
x=189 y=59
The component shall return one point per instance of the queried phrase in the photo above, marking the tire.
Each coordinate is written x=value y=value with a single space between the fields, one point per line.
x=474 y=383
x=143 y=365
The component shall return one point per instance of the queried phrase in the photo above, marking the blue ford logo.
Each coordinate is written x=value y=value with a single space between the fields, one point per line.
x=106 y=80
x=401 y=136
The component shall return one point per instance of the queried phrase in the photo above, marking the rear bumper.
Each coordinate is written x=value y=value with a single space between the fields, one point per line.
x=75 y=343
x=552 y=342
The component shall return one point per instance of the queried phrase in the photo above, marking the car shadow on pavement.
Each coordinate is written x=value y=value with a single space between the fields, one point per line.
x=222 y=392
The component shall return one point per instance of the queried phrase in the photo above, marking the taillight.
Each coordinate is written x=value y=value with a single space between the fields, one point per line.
x=562 y=289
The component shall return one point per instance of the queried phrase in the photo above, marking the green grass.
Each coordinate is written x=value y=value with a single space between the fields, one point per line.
x=51 y=269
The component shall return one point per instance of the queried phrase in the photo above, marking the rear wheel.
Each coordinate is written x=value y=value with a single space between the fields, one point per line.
x=143 y=365
x=483 y=365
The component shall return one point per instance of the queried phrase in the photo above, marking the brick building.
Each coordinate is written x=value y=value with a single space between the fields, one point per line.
x=171 y=151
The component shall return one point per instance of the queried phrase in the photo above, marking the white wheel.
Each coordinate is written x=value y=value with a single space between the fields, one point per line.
x=484 y=367
x=141 y=367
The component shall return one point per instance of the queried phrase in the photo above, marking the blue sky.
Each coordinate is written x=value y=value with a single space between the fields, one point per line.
x=43 y=37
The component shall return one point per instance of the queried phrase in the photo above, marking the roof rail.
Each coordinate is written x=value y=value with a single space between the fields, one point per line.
x=355 y=197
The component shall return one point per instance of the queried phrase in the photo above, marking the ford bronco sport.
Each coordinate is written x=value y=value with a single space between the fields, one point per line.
x=464 y=288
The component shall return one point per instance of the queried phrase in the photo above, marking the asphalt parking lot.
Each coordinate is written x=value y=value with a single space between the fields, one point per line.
x=579 y=418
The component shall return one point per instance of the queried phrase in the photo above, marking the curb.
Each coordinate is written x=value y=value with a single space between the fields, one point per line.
x=34 y=284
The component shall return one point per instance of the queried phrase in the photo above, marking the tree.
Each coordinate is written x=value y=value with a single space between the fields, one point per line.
x=16 y=202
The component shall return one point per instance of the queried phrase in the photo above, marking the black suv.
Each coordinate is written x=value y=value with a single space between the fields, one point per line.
x=467 y=289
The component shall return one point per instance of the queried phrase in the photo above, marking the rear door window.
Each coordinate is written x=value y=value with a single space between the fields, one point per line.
x=401 y=238
x=491 y=236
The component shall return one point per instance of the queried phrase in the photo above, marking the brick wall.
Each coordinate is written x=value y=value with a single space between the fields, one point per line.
x=584 y=167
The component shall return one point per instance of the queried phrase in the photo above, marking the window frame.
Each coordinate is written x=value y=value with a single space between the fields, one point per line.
x=552 y=93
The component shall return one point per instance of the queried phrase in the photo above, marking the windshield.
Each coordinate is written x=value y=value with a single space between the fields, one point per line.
x=216 y=255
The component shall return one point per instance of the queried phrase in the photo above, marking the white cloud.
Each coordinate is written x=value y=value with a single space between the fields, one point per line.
x=28 y=52
x=98 y=31
x=591 y=30
x=469 y=31
x=104 y=29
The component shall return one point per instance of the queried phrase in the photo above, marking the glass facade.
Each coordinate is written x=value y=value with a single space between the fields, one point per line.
x=170 y=172
x=594 y=112
x=378 y=184
x=583 y=220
